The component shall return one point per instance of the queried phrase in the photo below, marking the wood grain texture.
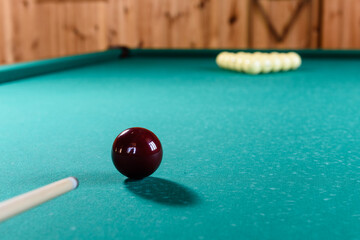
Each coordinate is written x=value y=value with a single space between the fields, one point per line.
x=123 y=23
x=341 y=24
x=233 y=22
x=80 y=26
x=178 y=24
x=7 y=35
x=284 y=24
x=23 y=30
x=38 y=29
x=26 y=201
x=2 y=33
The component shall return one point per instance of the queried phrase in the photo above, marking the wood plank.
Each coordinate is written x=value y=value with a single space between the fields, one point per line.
x=315 y=24
x=196 y=28
x=213 y=22
x=145 y=28
x=178 y=20
x=355 y=24
x=70 y=31
x=200 y=23
x=8 y=30
x=157 y=29
x=204 y=9
x=92 y=26
x=2 y=33
x=51 y=33
x=51 y=42
x=36 y=29
x=81 y=23
x=128 y=25
x=72 y=27
x=351 y=25
x=233 y=19
x=260 y=36
x=23 y=30
x=331 y=36
x=15 y=31
x=299 y=32
x=44 y=41
x=61 y=28
x=100 y=27
x=284 y=24
x=113 y=21
x=178 y=24
x=341 y=24
x=29 y=30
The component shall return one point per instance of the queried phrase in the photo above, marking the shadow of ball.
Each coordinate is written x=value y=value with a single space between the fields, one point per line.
x=162 y=191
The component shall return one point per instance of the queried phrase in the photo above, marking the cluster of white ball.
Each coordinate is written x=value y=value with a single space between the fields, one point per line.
x=258 y=62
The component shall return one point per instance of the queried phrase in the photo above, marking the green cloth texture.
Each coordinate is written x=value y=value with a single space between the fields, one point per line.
x=273 y=156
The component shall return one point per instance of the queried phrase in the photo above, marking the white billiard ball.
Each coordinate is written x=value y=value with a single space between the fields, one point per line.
x=246 y=62
x=295 y=60
x=226 y=60
x=255 y=67
x=219 y=59
x=238 y=63
x=251 y=65
x=232 y=61
x=242 y=58
x=276 y=62
x=286 y=62
x=266 y=63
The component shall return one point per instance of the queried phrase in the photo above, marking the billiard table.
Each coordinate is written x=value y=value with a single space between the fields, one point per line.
x=273 y=156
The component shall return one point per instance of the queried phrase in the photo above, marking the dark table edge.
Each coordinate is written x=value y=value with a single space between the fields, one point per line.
x=23 y=70
x=213 y=52
x=28 y=69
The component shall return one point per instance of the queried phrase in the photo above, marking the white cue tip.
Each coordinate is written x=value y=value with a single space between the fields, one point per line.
x=74 y=181
x=26 y=201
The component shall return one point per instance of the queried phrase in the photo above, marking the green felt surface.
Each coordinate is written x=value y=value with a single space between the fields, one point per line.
x=245 y=157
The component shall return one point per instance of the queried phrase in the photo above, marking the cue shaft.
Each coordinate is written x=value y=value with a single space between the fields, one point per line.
x=26 y=201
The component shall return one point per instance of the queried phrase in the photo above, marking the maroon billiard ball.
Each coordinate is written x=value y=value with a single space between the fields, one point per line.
x=136 y=153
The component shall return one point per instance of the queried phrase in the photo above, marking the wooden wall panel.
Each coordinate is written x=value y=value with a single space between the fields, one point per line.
x=294 y=23
x=178 y=24
x=341 y=24
x=233 y=23
x=24 y=30
x=2 y=32
x=153 y=27
x=37 y=29
x=315 y=26
x=7 y=34
x=123 y=23
x=72 y=27
x=180 y=18
x=187 y=23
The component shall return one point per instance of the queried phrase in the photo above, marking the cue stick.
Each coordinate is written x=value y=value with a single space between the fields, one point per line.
x=26 y=201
